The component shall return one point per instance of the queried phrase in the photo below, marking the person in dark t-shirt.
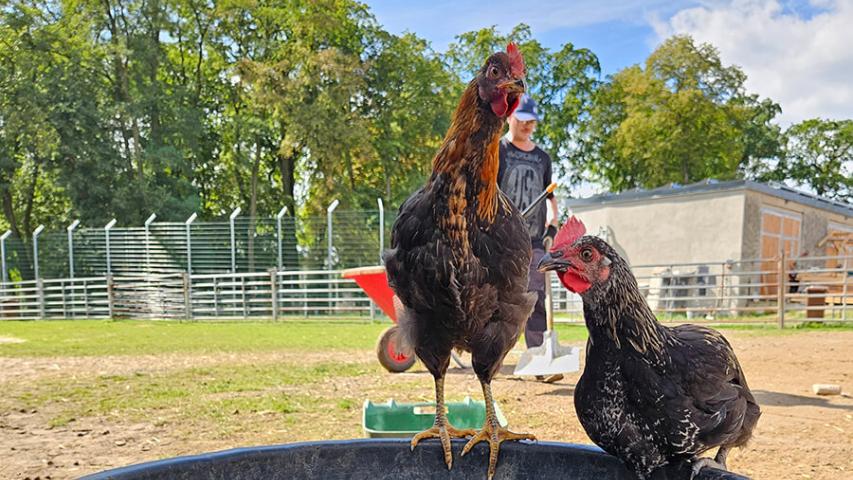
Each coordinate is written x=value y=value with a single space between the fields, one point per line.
x=524 y=172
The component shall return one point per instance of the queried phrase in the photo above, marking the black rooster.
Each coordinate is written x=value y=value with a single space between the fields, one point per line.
x=649 y=394
x=460 y=252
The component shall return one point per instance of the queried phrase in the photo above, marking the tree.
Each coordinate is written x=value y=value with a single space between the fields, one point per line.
x=682 y=118
x=410 y=97
x=818 y=154
x=29 y=142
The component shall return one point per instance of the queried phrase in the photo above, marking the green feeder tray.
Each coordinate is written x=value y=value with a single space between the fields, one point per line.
x=402 y=420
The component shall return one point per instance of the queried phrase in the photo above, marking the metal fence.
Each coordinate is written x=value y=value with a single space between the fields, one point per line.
x=767 y=290
x=237 y=244
x=761 y=290
x=183 y=296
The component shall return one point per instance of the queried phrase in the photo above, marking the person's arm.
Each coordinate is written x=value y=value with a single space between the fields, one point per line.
x=552 y=217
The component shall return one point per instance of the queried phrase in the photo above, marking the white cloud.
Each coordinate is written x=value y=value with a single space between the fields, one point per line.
x=803 y=63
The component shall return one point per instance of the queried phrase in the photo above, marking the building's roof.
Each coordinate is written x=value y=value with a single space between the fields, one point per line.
x=709 y=186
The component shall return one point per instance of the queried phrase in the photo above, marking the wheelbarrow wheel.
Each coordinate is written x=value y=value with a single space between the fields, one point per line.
x=389 y=353
x=461 y=361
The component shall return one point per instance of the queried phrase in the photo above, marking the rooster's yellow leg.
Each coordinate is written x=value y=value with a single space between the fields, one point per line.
x=493 y=433
x=442 y=429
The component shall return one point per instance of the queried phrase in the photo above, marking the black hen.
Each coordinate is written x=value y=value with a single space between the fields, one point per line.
x=460 y=252
x=649 y=394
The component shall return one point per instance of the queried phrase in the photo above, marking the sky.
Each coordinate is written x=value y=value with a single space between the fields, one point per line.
x=798 y=53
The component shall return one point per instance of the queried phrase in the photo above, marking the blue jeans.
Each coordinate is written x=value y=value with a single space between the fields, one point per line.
x=537 y=323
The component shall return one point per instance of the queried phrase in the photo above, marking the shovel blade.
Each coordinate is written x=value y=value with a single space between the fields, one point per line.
x=549 y=358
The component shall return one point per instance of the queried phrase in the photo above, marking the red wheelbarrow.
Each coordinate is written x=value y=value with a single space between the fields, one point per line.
x=374 y=282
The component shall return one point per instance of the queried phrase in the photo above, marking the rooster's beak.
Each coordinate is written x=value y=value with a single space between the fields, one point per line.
x=514 y=86
x=553 y=261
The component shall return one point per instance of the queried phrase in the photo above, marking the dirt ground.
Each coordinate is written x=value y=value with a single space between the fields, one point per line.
x=800 y=435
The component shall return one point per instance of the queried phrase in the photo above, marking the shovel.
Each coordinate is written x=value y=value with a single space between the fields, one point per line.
x=550 y=358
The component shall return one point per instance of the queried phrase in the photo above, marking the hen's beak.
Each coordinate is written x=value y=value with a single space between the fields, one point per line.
x=554 y=261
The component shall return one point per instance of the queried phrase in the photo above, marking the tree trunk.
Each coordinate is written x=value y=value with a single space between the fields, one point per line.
x=350 y=173
x=202 y=35
x=287 y=171
x=253 y=202
x=387 y=175
x=153 y=64
x=31 y=195
x=9 y=212
x=121 y=89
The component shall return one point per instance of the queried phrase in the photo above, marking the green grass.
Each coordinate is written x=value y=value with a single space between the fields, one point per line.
x=227 y=396
x=577 y=332
x=126 y=337
x=571 y=333
x=210 y=393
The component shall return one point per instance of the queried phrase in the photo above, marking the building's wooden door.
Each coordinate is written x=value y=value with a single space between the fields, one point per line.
x=780 y=231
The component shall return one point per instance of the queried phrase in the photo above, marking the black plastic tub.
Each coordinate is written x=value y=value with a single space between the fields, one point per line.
x=392 y=459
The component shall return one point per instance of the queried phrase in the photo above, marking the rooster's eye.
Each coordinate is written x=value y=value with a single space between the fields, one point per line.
x=493 y=71
x=586 y=254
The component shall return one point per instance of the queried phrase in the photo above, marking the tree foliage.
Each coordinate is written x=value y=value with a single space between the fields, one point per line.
x=818 y=154
x=119 y=108
x=681 y=118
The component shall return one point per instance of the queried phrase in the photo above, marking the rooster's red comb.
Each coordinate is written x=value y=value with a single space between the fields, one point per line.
x=572 y=230
x=516 y=62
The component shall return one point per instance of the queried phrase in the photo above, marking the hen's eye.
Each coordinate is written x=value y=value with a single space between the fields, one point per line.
x=586 y=254
x=493 y=71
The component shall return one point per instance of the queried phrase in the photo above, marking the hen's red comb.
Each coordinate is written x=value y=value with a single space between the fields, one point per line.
x=516 y=62
x=572 y=230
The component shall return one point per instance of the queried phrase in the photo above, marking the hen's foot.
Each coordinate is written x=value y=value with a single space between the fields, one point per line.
x=700 y=463
x=495 y=435
x=443 y=431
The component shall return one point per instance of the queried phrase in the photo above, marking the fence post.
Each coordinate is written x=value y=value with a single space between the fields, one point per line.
x=110 y=295
x=107 y=228
x=845 y=275
x=381 y=227
x=36 y=233
x=3 y=254
x=381 y=247
x=329 y=210
x=781 y=289
x=70 y=230
x=246 y=311
x=40 y=290
x=187 y=224
x=722 y=296
x=233 y=239
x=215 y=298
x=278 y=218
x=86 y=297
x=274 y=292
x=188 y=303
x=148 y=223
x=329 y=233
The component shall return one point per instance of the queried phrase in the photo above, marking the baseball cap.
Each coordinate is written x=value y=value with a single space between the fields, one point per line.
x=527 y=110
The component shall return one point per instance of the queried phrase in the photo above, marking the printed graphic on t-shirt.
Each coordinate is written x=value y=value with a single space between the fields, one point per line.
x=522 y=182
